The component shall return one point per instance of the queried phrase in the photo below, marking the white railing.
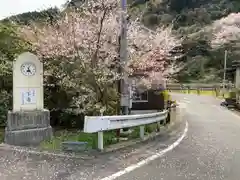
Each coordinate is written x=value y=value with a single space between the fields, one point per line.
x=100 y=124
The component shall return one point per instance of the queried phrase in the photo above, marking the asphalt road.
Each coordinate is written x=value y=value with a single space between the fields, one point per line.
x=210 y=151
x=24 y=165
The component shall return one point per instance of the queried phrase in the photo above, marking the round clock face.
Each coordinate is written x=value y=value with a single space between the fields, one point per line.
x=28 y=69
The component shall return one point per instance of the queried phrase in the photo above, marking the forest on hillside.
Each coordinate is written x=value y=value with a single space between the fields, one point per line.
x=198 y=24
x=80 y=50
x=189 y=19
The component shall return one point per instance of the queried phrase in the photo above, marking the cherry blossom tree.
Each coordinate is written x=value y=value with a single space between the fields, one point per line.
x=151 y=53
x=82 y=50
x=226 y=30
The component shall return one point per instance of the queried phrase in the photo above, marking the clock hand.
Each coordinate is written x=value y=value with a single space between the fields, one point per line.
x=28 y=69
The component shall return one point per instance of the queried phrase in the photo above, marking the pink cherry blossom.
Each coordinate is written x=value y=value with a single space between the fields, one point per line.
x=82 y=49
x=226 y=30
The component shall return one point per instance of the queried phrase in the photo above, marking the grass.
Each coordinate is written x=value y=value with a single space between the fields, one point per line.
x=109 y=138
x=151 y=128
x=65 y=135
x=75 y=135
x=60 y=135
x=54 y=144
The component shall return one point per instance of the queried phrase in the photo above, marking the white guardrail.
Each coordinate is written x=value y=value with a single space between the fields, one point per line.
x=100 y=124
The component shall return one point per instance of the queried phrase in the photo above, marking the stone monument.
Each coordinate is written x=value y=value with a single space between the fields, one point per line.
x=28 y=123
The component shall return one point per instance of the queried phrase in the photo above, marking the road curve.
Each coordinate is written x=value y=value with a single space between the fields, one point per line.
x=210 y=151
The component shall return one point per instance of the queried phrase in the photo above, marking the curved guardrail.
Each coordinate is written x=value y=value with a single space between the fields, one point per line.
x=99 y=124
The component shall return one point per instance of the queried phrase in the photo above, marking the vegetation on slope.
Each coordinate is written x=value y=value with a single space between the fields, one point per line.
x=80 y=52
x=191 y=18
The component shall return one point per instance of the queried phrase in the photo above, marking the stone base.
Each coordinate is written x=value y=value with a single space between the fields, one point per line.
x=28 y=137
x=28 y=128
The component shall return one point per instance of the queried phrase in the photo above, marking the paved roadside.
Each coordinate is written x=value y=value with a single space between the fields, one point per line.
x=211 y=150
x=25 y=166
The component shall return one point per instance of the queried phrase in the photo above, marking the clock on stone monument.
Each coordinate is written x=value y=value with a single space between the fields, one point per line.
x=28 y=123
x=28 y=69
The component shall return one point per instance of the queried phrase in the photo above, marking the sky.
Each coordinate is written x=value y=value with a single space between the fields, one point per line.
x=13 y=7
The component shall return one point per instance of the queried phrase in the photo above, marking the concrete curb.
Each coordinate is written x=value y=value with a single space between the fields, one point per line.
x=172 y=128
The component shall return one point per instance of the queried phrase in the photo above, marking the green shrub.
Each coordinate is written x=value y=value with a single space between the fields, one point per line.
x=150 y=128
x=5 y=105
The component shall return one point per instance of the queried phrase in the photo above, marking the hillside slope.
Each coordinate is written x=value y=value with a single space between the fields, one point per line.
x=189 y=18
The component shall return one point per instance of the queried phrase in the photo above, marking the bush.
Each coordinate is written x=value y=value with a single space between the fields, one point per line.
x=67 y=119
x=5 y=105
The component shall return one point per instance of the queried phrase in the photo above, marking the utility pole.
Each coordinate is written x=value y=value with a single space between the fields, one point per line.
x=125 y=95
x=224 y=73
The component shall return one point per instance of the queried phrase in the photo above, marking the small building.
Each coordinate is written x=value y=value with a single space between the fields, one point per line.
x=150 y=100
